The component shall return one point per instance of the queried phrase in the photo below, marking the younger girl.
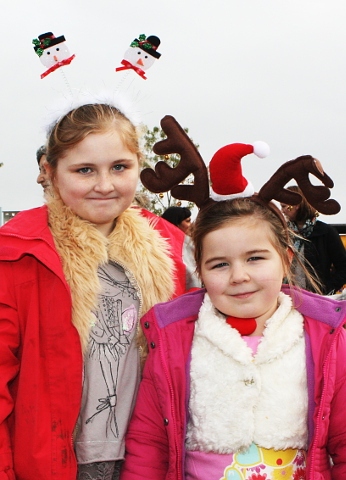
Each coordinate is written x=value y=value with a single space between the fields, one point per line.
x=245 y=379
x=75 y=276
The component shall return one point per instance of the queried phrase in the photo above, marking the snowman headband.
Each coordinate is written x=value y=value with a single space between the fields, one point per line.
x=65 y=105
x=226 y=177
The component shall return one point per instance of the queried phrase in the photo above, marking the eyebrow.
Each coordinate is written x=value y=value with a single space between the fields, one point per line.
x=92 y=164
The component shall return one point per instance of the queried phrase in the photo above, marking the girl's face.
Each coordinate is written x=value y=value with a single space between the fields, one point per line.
x=242 y=271
x=98 y=178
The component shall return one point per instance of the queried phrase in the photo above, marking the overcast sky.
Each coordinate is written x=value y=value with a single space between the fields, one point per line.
x=230 y=71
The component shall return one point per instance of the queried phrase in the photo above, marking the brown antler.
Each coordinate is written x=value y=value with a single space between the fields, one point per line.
x=299 y=169
x=165 y=178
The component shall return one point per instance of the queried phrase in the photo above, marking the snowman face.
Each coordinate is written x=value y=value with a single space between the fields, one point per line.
x=139 y=58
x=54 y=54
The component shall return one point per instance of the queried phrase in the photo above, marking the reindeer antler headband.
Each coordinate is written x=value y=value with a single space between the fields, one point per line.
x=165 y=178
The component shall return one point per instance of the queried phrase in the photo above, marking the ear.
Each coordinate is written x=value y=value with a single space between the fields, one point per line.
x=290 y=254
x=48 y=168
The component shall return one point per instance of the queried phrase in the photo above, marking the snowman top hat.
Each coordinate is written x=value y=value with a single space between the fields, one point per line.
x=148 y=44
x=227 y=180
x=46 y=40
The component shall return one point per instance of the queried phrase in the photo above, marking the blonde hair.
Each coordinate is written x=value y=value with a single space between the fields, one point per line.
x=219 y=214
x=87 y=119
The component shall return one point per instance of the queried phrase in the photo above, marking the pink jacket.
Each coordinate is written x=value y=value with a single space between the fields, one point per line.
x=156 y=435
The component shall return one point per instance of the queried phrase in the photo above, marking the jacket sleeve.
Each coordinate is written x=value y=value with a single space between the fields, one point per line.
x=337 y=254
x=9 y=364
x=146 y=441
x=337 y=426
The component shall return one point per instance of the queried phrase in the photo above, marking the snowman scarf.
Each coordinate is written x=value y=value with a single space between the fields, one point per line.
x=57 y=65
x=129 y=66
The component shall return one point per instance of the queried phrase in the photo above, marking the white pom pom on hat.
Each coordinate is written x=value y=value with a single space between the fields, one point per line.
x=261 y=149
x=226 y=177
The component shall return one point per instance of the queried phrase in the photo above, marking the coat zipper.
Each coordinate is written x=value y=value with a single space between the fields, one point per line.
x=163 y=360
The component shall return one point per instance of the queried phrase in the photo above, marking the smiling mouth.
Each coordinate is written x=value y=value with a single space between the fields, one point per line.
x=242 y=295
x=101 y=198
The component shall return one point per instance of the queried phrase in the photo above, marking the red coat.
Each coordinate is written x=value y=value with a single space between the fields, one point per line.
x=40 y=354
x=176 y=239
x=47 y=355
x=156 y=435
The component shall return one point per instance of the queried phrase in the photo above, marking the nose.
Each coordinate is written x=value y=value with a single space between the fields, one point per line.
x=238 y=273
x=40 y=178
x=55 y=58
x=140 y=62
x=104 y=184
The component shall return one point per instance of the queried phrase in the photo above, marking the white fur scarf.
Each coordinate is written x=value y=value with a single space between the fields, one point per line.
x=82 y=248
x=237 y=398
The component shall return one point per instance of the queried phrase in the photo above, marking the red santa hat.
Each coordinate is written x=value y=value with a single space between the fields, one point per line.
x=225 y=170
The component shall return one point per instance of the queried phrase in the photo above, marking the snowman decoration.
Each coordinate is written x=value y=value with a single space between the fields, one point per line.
x=52 y=51
x=141 y=55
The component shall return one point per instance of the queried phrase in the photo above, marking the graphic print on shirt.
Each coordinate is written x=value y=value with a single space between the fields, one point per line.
x=261 y=464
x=110 y=339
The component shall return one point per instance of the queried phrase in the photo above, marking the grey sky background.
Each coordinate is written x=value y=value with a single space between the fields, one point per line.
x=230 y=71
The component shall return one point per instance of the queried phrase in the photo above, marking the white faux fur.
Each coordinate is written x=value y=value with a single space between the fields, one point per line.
x=248 y=192
x=237 y=398
x=65 y=104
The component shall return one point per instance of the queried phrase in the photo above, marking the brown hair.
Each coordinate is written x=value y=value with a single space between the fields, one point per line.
x=219 y=214
x=87 y=119
x=305 y=210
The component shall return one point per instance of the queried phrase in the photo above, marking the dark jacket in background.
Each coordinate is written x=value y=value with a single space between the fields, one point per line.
x=323 y=249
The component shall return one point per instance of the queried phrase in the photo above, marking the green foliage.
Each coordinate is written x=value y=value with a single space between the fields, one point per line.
x=157 y=203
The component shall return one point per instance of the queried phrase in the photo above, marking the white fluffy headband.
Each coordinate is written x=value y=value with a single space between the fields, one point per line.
x=65 y=105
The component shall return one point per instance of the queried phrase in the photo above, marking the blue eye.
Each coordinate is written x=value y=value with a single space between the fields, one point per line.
x=84 y=170
x=119 y=168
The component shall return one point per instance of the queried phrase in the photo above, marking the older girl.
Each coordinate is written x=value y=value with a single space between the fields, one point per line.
x=75 y=276
x=245 y=379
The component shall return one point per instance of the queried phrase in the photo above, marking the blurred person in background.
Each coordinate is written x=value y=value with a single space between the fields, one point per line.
x=41 y=157
x=180 y=217
x=319 y=245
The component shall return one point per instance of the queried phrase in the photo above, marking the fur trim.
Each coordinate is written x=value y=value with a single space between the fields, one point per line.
x=62 y=106
x=237 y=398
x=133 y=244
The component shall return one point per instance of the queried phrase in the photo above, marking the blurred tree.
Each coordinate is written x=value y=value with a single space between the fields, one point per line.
x=157 y=203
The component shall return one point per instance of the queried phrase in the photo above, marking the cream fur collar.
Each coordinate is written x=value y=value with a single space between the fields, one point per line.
x=82 y=248
x=278 y=336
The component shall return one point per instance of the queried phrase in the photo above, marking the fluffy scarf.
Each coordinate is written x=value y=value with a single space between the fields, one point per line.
x=133 y=243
